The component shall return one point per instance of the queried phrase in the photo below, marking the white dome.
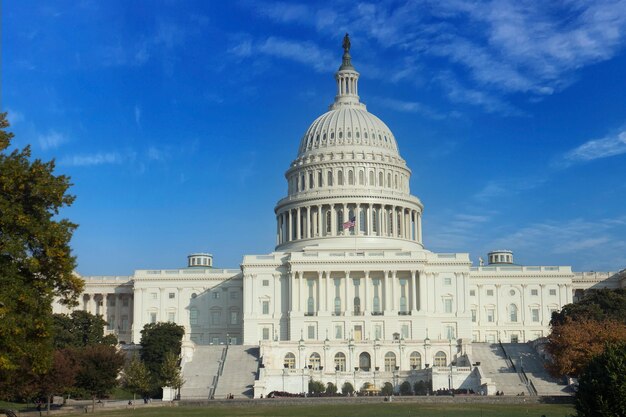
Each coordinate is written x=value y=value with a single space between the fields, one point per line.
x=347 y=127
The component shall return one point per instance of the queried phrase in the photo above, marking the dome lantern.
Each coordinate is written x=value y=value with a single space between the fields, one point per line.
x=347 y=81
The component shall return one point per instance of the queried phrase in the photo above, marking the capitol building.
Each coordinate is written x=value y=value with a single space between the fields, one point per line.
x=350 y=293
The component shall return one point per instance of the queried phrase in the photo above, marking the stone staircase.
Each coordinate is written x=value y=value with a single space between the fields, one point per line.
x=495 y=366
x=525 y=357
x=201 y=373
x=240 y=371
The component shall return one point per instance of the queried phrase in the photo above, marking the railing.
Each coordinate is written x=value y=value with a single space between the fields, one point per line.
x=530 y=387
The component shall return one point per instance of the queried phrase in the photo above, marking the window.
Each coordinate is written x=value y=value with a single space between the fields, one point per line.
x=447 y=281
x=266 y=282
x=111 y=323
x=215 y=317
x=489 y=292
x=376 y=300
x=266 y=307
x=447 y=305
x=315 y=360
x=441 y=359
x=405 y=331
x=310 y=332
x=340 y=362
x=390 y=361
x=234 y=294
x=450 y=332
x=512 y=292
x=552 y=292
x=535 y=314
x=266 y=333
x=340 y=178
x=473 y=315
x=153 y=295
x=216 y=295
x=378 y=331
x=233 y=317
x=403 y=296
x=490 y=315
x=171 y=295
x=290 y=361
x=329 y=181
x=473 y=293
x=338 y=332
x=153 y=317
x=193 y=316
x=125 y=301
x=112 y=301
x=171 y=317
x=534 y=292
x=415 y=360
x=513 y=312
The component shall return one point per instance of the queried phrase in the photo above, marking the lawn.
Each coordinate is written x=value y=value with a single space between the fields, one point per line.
x=354 y=410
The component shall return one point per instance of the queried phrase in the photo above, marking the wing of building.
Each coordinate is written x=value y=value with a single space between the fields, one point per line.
x=350 y=288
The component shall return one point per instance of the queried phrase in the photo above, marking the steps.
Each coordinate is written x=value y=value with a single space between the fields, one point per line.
x=526 y=357
x=200 y=374
x=239 y=373
x=494 y=365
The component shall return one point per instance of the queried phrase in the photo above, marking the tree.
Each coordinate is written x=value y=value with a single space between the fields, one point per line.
x=79 y=329
x=406 y=389
x=157 y=339
x=137 y=377
x=596 y=305
x=60 y=378
x=573 y=343
x=347 y=388
x=387 y=389
x=170 y=371
x=36 y=264
x=331 y=388
x=316 y=387
x=602 y=386
x=99 y=368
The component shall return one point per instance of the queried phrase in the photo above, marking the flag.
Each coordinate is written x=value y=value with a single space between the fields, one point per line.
x=350 y=224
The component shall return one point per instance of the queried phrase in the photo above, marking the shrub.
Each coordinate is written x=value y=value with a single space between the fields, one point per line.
x=420 y=388
x=347 y=388
x=331 y=388
x=316 y=387
x=405 y=388
x=387 y=389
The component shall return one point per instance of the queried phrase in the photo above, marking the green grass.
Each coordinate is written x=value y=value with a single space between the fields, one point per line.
x=14 y=406
x=355 y=410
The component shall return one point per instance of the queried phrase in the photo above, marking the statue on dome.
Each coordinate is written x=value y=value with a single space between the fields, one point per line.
x=346 y=43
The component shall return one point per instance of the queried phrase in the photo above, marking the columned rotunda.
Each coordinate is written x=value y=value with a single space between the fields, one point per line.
x=350 y=293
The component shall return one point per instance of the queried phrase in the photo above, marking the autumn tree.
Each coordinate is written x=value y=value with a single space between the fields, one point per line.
x=602 y=386
x=573 y=343
x=60 y=378
x=36 y=264
x=99 y=368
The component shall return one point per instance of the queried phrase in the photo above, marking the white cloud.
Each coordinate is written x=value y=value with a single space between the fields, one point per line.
x=497 y=188
x=51 y=140
x=303 y=52
x=598 y=148
x=99 y=158
x=408 y=107
x=14 y=117
x=137 y=112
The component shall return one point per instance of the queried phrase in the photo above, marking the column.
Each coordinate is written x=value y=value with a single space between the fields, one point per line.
x=459 y=295
x=370 y=228
x=290 y=227
x=498 y=304
x=346 y=307
x=431 y=289
x=422 y=291
x=345 y=218
x=118 y=308
x=161 y=306
x=298 y=224
x=300 y=291
x=104 y=311
x=320 y=227
x=394 y=291
x=276 y=296
x=278 y=229
x=419 y=227
x=319 y=292
x=327 y=288
x=308 y=222
x=180 y=318
x=366 y=285
x=523 y=306
x=333 y=220
x=465 y=292
x=357 y=219
x=394 y=225
x=386 y=297
x=413 y=291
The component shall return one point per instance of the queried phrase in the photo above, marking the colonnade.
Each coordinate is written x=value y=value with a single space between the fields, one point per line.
x=116 y=309
x=369 y=219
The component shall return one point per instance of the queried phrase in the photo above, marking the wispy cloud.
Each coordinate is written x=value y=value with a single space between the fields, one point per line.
x=51 y=140
x=498 y=188
x=597 y=149
x=14 y=117
x=137 y=112
x=94 y=159
x=409 y=107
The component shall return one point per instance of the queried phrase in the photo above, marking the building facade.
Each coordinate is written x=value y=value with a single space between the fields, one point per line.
x=350 y=285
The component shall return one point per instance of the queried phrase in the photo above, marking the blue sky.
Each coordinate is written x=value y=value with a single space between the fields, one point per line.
x=177 y=120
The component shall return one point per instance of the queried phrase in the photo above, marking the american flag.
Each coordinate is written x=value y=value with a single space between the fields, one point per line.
x=348 y=225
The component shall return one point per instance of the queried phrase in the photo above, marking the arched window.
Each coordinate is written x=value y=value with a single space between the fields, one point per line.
x=302 y=182
x=310 y=180
x=389 y=180
x=319 y=179
x=415 y=360
x=329 y=223
x=330 y=179
x=361 y=178
x=374 y=221
x=365 y=361
x=340 y=178
x=371 y=179
x=350 y=177
x=395 y=181
x=390 y=228
x=362 y=220
x=365 y=135
x=390 y=362
x=380 y=179
x=513 y=312
x=441 y=359
x=340 y=362
x=290 y=361
x=314 y=360
x=339 y=220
